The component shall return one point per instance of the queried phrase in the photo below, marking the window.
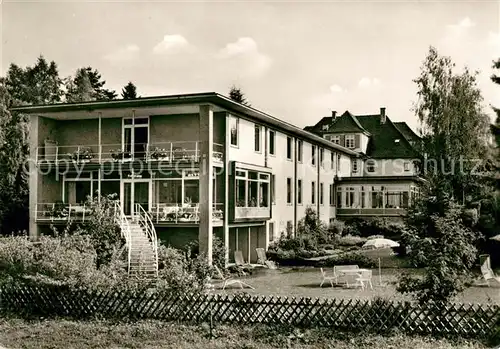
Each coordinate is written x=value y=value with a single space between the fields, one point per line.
x=336 y=139
x=324 y=127
x=349 y=197
x=370 y=166
x=338 y=162
x=406 y=166
x=332 y=195
x=273 y=189
x=349 y=141
x=234 y=126
x=289 y=148
x=272 y=140
x=328 y=137
x=313 y=192
x=313 y=155
x=299 y=151
x=354 y=166
x=339 y=197
x=257 y=138
x=252 y=188
x=321 y=193
x=332 y=160
x=321 y=156
x=299 y=191
x=288 y=190
x=289 y=229
x=271 y=231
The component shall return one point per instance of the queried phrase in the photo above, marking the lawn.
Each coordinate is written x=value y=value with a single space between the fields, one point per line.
x=154 y=334
x=305 y=281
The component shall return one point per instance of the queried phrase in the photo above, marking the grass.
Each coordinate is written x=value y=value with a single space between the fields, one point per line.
x=17 y=333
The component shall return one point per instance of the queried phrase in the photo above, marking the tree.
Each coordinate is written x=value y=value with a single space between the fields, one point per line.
x=79 y=88
x=455 y=128
x=129 y=91
x=237 y=95
x=441 y=242
x=87 y=85
x=39 y=84
x=13 y=178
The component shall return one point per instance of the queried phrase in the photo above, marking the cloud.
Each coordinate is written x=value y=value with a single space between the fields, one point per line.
x=366 y=82
x=463 y=24
x=244 y=58
x=336 y=89
x=124 y=54
x=170 y=44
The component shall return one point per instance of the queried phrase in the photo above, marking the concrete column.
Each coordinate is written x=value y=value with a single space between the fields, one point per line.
x=33 y=177
x=225 y=226
x=206 y=181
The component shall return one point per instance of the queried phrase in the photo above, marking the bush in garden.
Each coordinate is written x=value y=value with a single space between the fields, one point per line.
x=350 y=240
x=16 y=257
x=337 y=227
x=348 y=258
x=314 y=228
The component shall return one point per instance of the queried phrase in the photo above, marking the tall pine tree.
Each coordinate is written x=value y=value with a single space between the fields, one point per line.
x=129 y=91
x=237 y=95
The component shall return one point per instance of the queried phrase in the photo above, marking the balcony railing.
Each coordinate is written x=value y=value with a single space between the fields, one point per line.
x=241 y=212
x=179 y=213
x=160 y=213
x=165 y=152
x=370 y=211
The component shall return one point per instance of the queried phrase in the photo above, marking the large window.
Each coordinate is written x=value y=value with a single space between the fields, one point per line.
x=289 y=148
x=299 y=191
x=332 y=195
x=177 y=188
x=77 y=188
x=349 y=141
x=288 y=190
x=299 y=150
x=257 y=138
x=313 y=192
x=271 y=231
x=234 y=128
x=272 y=142
x=252 y=188
x=313 y=155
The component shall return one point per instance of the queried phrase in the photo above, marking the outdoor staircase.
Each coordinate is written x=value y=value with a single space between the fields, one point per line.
x=142 y=244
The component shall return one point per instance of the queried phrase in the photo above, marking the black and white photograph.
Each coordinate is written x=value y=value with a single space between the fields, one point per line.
x=250 y=174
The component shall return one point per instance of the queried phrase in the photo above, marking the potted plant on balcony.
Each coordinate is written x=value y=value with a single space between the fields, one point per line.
x=160 y=154
x=82 y=155
x=119 y=154
x=217 y=156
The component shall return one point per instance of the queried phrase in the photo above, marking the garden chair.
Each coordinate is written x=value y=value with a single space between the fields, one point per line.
x=364 y=278
x=488 y=273
x=262 y=259
x=230 y=281
x=325 y=277
x=340 y=276
x=240 y=261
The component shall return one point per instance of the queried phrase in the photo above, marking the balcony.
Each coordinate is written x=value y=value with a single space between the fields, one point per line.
x=160 y=213
x=168 y=153
x=164 y=213
x=395 y=212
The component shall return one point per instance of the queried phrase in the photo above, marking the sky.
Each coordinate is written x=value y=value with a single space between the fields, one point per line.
x=295 y=60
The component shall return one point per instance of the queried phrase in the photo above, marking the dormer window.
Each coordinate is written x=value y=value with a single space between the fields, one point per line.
x=397 y=140
x=349 y=141
x=336 y=139
x=324 y=127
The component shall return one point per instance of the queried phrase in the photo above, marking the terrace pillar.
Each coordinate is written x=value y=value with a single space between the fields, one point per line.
x=34 y=179
x=205 y=231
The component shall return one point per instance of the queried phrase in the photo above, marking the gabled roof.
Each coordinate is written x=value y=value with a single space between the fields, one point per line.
x=407 y=131
x=387 y=140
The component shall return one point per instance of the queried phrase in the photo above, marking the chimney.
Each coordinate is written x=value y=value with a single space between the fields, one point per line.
x=334 y=114
x=382 y=115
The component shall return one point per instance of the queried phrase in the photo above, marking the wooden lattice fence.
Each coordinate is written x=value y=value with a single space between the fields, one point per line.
x=381 y=316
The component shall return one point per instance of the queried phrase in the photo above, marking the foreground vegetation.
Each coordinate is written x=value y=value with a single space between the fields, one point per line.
x=155 y=334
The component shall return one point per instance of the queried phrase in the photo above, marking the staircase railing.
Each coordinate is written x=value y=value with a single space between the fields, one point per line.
x=122 y=221
x=143 y=217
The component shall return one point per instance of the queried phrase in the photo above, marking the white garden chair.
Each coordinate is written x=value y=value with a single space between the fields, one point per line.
x=325 y=277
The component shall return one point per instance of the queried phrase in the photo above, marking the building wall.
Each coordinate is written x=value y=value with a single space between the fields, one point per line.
x=111 y=132
x=78 y=132
x=245 y=150
x=173 y=128
x=50 y=188
x=47 y=129
x=326 y=176
x=389 y=167
x=282 y=168
x=363 y=143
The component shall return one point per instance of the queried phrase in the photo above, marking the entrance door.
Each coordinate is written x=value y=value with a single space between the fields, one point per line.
x=135 y=192
x=136 y=137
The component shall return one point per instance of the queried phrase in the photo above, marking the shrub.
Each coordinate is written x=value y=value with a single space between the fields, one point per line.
x=337 y=227
x=350 y=240
x=314 y=228
x=348 y=258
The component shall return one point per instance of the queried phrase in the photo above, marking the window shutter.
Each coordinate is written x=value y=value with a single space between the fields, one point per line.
x=357 y=141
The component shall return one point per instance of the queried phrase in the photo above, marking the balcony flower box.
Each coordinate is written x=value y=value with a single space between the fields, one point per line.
x=120 y=155
x=82 y=155
x=217 y=157
x=160 y=154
